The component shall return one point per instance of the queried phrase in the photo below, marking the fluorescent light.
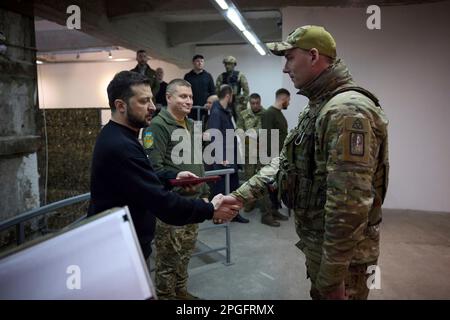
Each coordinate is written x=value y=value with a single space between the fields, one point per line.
x=260 y=50
x=122 y=59
x=250 y=37
x=223 y=5
x=39 y=62
x=234 y=17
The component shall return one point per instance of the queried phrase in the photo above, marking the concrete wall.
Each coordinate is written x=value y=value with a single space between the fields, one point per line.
x=406 y=65
x=19 y=190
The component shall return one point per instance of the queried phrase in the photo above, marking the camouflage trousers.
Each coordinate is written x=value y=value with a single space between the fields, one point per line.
x=355 y=280
x=174 y=247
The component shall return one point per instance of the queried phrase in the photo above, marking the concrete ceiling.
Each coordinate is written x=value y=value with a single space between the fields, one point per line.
x=168 y=29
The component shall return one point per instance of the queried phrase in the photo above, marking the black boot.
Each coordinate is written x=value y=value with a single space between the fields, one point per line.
x=279 y=216
x=240 y=219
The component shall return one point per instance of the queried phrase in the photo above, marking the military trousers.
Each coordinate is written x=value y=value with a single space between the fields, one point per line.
x=355 y=281
x=174 y=247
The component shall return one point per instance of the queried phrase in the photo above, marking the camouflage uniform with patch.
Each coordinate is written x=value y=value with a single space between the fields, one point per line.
x=238 y=82
x=333 y=171
x=174 y=244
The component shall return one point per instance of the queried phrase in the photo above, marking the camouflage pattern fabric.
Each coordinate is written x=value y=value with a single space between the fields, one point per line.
x=249 y=120
x=240 y=88
x=174 y=247
x=335 y=167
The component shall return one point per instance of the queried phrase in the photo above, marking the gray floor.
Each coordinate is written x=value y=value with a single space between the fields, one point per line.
x=414 y=262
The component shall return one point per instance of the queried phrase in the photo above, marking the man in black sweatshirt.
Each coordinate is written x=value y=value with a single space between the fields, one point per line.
x=202 y=85
x=123 y=176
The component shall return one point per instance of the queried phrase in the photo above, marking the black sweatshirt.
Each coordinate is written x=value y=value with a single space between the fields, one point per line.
x=202 y=87
x=123 y=176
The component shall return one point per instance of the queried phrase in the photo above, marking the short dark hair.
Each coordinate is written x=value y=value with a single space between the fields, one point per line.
x=224 y=90
x=171 y=87
x=255 y=96
x=120 y=86
x=140 y=51
x=281 y=92
x=197 y=56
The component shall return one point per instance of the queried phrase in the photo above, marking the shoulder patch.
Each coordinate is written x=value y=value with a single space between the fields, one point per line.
x=356 y=139
x=148 y=139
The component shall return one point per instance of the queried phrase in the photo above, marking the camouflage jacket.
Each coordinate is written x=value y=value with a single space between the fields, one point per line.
x=238 y=82
x=338 y=156
x=250 y=120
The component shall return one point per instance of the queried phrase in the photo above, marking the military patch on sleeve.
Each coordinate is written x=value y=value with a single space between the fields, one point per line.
x=356 y=140
x=148 y=139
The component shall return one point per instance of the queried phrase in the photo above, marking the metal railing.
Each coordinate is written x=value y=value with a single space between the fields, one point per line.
x=19 y=221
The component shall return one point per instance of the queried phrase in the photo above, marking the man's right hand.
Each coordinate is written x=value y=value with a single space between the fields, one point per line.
x=225 y=208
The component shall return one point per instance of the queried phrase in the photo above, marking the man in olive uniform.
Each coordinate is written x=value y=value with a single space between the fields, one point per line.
x=274 y=119
x=174 y=244
x=333 y=168
x=250 y=123
x=143 y=68
x=238 y=82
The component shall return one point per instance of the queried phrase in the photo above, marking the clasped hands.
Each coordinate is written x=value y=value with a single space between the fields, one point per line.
x=225 y=207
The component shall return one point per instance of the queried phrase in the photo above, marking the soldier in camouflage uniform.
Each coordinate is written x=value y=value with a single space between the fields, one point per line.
x=250 y=122
x=174 y=244
x=333 y=168
x=238 y=83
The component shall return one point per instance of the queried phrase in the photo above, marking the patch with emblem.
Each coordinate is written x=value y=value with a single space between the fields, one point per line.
x=357 y=144
x=148 y=139
x=356 y=140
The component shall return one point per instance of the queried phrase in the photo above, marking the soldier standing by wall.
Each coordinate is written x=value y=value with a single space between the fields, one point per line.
x=250 y=122
x=333 y=168
x=143 y=68
x=174 y=244
x=238 y=82
x=202 y=85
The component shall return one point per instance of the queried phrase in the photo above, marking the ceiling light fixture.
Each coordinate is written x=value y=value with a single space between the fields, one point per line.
x=250 y=37
x=231 y=13
x=235 y=19
x=223 y=5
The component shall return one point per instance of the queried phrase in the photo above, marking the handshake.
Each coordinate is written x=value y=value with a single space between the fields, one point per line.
x=225 y=208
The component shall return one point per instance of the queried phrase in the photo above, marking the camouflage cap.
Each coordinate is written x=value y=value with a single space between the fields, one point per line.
x=306 y=37
x=230 y=59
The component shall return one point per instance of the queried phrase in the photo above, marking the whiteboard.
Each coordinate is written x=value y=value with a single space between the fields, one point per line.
x=99 y=259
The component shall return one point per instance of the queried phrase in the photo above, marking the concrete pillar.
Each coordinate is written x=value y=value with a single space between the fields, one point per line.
x=19 y=140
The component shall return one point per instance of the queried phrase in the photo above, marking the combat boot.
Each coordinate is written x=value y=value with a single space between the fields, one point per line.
x=279 y=216
x=183 y=294
x=269 y=220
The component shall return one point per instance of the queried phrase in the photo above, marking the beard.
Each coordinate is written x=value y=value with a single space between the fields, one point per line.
x=134 y=121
